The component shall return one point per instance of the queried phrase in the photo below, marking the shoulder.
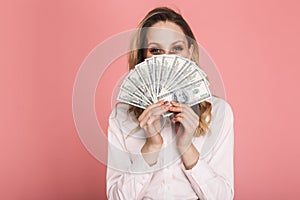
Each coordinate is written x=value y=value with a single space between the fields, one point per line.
x=122 y=118
x=220 y=127
x=222 y=114
x=119 y=111
x=221 y=107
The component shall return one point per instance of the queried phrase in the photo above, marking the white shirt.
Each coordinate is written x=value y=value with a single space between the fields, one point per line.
x=130 y=177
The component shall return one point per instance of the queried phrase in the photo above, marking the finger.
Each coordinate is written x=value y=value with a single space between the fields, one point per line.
x=152 y=120
x=180 y=119
x=174 y=103
x=189 y=127
x=177 y=107
x=153 y=115
x=190 y=114
x=156 y=111
x=145 y=112
x=187 y=120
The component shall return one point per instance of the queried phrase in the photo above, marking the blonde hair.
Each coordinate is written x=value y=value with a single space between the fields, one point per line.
x=137 y=55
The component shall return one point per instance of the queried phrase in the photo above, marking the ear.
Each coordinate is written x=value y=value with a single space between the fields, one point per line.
x=191 y=50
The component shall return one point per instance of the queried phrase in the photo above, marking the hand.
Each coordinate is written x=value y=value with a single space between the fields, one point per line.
x=150 y=121
x=186 y=123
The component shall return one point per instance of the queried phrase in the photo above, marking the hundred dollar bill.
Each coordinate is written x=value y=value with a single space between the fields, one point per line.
x=161 y=78
x=204 y=75
x=137 y=80
x=136 y=90
x=129 y=98
x=179 y=66
x=144 y=75
x=202 y=72
x=191 y=94
x=167 y=68
x=168 y=77
x=157 y=69
x=151 y=71
x=189 y=76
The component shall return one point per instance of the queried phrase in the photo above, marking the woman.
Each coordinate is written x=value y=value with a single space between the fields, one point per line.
x=161 y=159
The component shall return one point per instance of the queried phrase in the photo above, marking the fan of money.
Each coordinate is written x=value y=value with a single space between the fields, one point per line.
x=167 y=77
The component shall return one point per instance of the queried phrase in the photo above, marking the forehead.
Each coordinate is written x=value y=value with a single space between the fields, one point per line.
x=165 y=33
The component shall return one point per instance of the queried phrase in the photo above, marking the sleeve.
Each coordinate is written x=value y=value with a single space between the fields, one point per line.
x=126 y=176
x=213 y=176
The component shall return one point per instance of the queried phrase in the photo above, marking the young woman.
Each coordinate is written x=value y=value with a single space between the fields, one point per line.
x=162 y=158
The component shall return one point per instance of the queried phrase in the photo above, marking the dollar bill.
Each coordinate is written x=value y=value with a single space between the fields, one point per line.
x=167 y=67
x=157 y=69
x=151 y=72
x=129 y=98
x=201 y=71
x=191 y=94
x=168 y=77
x=136 y=90
x=179 y=66
x=144 y=74
x=189 y=76
x=160 y=73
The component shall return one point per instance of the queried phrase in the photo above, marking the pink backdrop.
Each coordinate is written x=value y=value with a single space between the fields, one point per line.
x=43 y=43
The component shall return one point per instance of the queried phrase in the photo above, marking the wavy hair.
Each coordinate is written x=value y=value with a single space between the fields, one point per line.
x=137 y=55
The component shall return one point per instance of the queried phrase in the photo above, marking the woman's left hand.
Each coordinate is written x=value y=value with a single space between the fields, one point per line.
x=186 y=123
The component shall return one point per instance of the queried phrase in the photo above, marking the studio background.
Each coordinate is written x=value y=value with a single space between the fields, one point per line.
x=43 y=43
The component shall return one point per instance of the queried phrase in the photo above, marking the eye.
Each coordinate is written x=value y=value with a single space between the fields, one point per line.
x=155 y=51
x=177 y=48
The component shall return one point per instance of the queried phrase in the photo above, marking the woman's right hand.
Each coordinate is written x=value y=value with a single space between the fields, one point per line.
x=150 y=121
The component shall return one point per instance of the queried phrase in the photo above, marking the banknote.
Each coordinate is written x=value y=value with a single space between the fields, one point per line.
x=168 y=77
x=146 y=84
x=191 y=94
x=157 y=63
x=127 y=97
x=180 y=64
x=187 y=77
x=136 y=90
x=151 y=71
x=167 y=67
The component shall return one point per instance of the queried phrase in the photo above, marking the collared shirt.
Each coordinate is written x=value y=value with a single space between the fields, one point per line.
x=130 y=177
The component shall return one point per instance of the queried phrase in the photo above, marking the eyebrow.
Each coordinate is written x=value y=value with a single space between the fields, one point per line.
x=155 y=43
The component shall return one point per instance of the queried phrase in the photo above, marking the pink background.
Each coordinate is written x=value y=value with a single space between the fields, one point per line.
x=43 y=43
